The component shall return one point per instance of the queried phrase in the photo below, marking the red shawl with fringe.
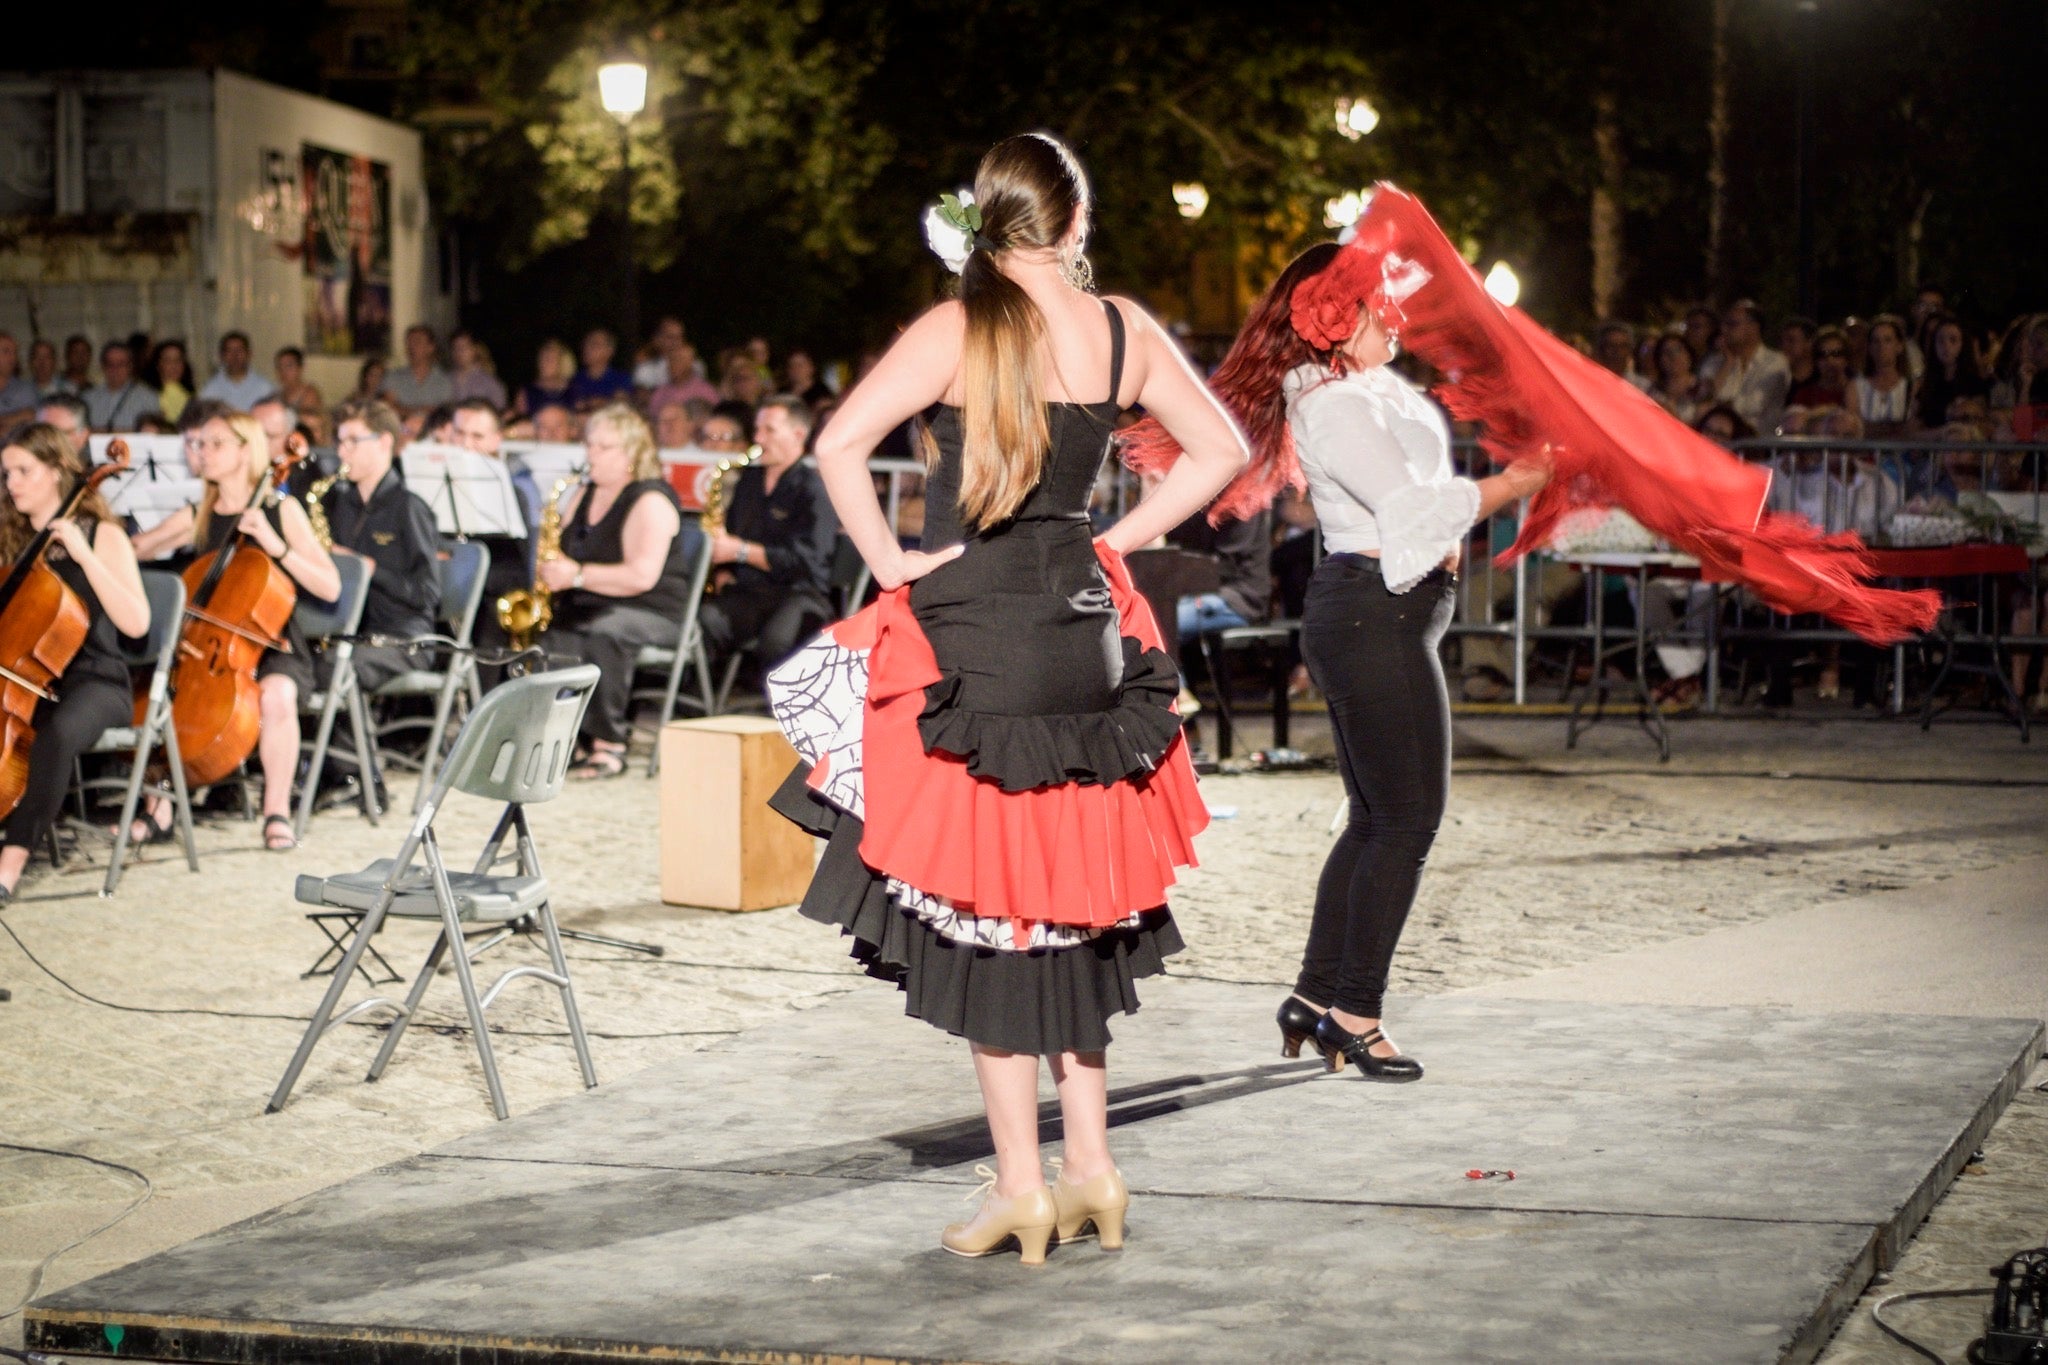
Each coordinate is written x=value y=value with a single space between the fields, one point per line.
x=1609 y=444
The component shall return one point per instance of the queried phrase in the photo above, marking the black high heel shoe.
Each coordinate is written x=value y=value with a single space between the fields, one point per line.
x=1297 y=1025
x=1339 y=1045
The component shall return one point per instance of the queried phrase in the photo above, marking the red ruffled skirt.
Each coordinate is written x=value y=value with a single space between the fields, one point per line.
x=1006 y=867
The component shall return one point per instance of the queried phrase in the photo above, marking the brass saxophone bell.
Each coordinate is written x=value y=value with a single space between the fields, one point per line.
x=526 y=613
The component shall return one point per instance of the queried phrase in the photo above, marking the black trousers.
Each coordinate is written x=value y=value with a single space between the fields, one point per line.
x=610 y=637
x=772 y=621
x=86 y=708
x=1373 y=654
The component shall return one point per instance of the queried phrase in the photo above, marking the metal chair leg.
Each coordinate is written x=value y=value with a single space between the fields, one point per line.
x=412 y=1003
x=368 y=773
x=342 y=976
x=444 y=705
x=546 y=916
x=451 y=923
x=181 y=798
x=317 y=763
x=129 y=800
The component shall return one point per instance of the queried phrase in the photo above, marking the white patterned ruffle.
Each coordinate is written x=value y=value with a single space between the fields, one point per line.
x=818 y=696
x=1420 y=524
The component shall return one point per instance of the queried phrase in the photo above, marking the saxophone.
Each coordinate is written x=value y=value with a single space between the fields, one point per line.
x=317 y=514
x=713 y=517
x=524 y=613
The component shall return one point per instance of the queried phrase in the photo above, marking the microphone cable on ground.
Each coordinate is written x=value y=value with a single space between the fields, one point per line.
x=35 y=1279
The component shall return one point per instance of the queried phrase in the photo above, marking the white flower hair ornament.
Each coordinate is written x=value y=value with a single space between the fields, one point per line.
x=952 y=228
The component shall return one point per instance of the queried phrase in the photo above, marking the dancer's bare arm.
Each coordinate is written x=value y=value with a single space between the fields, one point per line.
x=1214 y=449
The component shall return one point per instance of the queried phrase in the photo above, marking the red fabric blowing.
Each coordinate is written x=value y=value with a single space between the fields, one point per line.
x=1612 y=446
x=1074 y=854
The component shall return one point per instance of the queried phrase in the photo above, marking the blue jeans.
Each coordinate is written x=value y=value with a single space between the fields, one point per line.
x=1207 y=612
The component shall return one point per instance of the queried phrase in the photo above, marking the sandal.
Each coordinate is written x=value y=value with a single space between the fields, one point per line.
x=152 y=832
x=600 y=763
x=291 y=841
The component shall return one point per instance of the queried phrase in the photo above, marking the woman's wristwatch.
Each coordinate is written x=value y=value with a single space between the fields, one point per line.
x=577 y=582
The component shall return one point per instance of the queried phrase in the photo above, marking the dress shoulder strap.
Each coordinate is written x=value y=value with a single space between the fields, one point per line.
x=1116 y=353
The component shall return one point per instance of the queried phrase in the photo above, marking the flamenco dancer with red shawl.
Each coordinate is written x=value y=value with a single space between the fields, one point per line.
x=992 y=752
x=1308 y=381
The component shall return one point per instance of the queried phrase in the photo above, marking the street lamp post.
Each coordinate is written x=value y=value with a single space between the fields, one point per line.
x=622 y=87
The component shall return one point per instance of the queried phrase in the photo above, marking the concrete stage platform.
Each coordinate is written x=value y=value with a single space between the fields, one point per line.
x=1693 y=1185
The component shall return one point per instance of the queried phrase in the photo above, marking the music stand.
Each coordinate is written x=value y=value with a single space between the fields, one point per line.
x=158 y=481
x=549 y=462
x=471 y=494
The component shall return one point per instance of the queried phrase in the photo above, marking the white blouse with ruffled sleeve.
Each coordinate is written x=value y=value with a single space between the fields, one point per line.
x=1377 y=454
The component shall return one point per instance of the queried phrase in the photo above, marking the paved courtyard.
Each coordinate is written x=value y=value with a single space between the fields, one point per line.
x=1549 y=859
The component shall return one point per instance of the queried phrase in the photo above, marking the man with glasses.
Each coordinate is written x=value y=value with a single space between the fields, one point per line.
x=67 y=413
x=373 y=514
x=119 y=400
x=1743 y=372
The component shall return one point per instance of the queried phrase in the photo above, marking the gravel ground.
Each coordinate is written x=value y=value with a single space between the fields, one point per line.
x=1548 y=858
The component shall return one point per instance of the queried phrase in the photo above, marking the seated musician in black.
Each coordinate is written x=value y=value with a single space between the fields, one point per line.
x=622 y=581
x=372 y=514
x=775 y=553
x=92 y=555
x=476 y=426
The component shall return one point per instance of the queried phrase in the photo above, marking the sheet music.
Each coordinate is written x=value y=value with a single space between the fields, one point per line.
x=471 y=494
x=157 y=483
x=548 y=462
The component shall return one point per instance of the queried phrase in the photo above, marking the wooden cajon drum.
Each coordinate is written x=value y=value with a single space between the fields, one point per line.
x=721 y=846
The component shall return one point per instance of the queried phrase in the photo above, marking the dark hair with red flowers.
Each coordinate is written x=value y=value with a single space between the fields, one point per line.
x=1249 y=384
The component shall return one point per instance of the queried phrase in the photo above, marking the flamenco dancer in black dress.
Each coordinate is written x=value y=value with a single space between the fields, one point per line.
x=992 y=748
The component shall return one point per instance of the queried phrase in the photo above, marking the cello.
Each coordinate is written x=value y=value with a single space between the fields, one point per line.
x=237 y=608
x=42 y=626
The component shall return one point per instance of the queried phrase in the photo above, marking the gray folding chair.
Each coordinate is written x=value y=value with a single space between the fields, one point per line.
x=158 y=652
x=337 y=623
x=516 y=749
x=688 y=650
x=462 y=594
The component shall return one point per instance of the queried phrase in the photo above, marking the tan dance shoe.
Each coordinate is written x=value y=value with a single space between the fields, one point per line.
x=1026 y=1220
x=1100 y=1203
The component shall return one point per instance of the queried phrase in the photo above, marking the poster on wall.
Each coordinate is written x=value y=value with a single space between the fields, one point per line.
x=348 y=253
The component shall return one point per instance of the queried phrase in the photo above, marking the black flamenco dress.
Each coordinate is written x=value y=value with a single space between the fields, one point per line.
x=993 y=758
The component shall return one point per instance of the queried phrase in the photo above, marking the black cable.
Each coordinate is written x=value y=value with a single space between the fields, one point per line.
x=1877 y=1315
x=44 y=967
x=35 y=1279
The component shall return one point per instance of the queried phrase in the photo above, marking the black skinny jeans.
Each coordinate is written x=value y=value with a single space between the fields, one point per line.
x=1373 y=655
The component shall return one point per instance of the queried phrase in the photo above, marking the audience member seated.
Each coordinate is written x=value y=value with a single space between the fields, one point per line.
x=800 y=377
x=421 y=385
x=77 y=376
x=309 y=408
x=1951 y=373
x=774 y=556
x=472 y=375
x=623 y=579
x=120 y=397
x=1744 y=373
x=598 y=383
x=1243 y=551
x=170 y=374
x=554 y=424
x=42 y=369
x=673 y=428
x=233 y=383
x=1829 y=386
x=1881 y=397
x=658 y=366
x=1674 y=383
x=91 y=554
x=230 y=451
x=17 y=391
x=684 y=381
x=67 y=412
x=1723 y=425
x=554 y=367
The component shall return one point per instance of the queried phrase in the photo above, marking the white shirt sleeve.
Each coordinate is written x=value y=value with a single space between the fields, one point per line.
x=1352 y=438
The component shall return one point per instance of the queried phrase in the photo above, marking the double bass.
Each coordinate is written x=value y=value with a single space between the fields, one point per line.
x=42 y=627
x=238 y=602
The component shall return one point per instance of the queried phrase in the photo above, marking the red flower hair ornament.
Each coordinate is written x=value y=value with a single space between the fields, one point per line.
x=1368 y=272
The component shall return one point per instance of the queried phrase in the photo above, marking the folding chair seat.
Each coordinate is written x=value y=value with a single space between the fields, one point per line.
x=337 y=623
x=158 y=652
x=1279 y=638
x=687 y=652
x=515 y=748
x=465 y=566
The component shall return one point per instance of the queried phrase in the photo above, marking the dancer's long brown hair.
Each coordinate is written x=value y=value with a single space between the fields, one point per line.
x=1028 y=189
x=1249 y=384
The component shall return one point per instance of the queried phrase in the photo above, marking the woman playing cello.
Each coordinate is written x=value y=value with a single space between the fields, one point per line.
x=232 y=455
x=90 y=552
